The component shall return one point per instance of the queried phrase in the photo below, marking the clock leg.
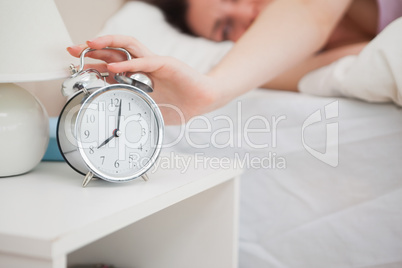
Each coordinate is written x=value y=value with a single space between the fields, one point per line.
x=145 y=177
x=87 y=179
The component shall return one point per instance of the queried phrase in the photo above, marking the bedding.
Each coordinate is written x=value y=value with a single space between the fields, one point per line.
x=323 y=180
x=307 y=213
x=374 y=75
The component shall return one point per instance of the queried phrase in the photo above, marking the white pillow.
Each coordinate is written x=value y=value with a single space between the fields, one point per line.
x=147 y=24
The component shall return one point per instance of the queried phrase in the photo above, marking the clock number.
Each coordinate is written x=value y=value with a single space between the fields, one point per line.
x=101 y=107
x=131 y=160
x=87 y=133
x=90 y=118
x=140 y=147
x=116 y=164
x=139 y=117
x=114 y=102
x=129 y=106
x=103 y=159
x=91 y=149
x=143 y=133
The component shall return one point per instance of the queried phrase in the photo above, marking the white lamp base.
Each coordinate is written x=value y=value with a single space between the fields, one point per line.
x=24 y=130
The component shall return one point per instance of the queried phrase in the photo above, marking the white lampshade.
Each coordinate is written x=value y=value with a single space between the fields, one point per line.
x=33 y=41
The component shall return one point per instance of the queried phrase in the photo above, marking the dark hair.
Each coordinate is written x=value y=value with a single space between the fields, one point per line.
x=175 y=13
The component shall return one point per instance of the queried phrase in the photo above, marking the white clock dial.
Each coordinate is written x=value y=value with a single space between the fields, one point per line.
x=118 y=134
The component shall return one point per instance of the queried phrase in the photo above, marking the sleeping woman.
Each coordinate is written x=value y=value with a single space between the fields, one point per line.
x=277 y=42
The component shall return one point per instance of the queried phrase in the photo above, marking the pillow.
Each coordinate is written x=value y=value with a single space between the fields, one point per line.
x=147 y=24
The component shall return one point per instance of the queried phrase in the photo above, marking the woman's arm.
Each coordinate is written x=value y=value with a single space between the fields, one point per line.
x=285 y=33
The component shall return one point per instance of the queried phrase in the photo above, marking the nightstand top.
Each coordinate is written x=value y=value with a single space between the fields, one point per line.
x=46 y=211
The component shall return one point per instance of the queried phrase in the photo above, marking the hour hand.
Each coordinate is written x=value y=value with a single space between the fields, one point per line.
x=106 y=141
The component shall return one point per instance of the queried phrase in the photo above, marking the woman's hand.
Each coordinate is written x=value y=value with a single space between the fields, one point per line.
x=175 y=83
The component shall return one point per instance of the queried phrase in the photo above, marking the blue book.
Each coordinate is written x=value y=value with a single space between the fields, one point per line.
x=52 y=151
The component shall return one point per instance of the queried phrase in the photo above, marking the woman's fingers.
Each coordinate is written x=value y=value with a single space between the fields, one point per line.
x=76 y=50
x=145 y=60
x=100 y=67
x=131 y=44
x=135 y=48
x=147 y=65
x=106 y=55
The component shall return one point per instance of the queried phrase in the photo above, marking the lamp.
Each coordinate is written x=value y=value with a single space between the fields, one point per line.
x=33 y=41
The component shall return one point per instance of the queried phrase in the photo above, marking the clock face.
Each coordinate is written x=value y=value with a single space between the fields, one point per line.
x=119 y=132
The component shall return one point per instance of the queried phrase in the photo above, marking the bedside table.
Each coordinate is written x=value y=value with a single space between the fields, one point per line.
x=176 y=219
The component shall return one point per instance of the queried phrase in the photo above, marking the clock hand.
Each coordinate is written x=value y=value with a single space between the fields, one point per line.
x=119 y=115
x=106 y=141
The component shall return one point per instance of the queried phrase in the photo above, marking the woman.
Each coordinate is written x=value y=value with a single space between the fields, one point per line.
x=277 y=42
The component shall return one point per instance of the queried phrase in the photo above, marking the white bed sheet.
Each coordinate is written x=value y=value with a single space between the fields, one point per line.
x=309 y=214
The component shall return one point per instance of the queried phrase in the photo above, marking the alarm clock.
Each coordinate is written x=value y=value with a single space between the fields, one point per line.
x=113 y=132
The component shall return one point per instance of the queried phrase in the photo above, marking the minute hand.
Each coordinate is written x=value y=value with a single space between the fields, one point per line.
x=118 y=116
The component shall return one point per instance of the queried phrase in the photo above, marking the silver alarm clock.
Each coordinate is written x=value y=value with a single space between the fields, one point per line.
x=109 y=131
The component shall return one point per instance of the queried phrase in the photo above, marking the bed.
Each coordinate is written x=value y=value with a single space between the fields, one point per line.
x=323 y=176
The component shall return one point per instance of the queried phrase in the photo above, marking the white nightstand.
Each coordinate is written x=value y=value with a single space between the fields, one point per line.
x=174 y=220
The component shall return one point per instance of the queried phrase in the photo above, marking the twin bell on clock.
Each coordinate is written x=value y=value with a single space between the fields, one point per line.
x=109 y=131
